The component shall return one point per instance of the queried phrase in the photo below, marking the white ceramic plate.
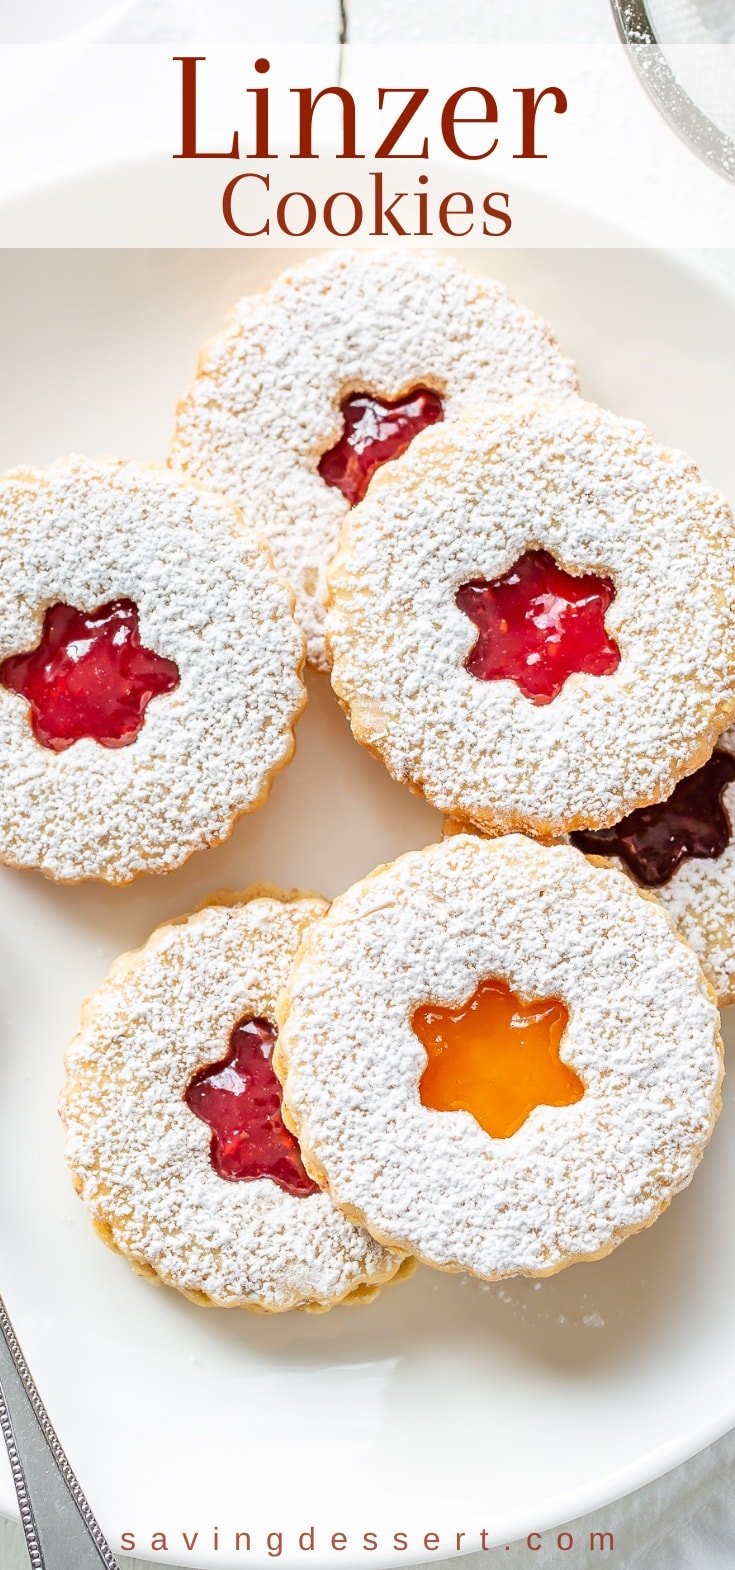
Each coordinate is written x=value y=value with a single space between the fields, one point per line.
x=445 y=1407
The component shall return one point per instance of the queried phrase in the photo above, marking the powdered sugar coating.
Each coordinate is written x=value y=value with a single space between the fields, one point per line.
x=465 y=502
x=266 y=401
x=85 y=533
x=141 y=1159
x=643 y=1034
x=700 y=897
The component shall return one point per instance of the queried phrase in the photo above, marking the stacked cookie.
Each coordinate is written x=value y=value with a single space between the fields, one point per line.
x=494 y=1055
x=174 y=1130
x=491 y=1056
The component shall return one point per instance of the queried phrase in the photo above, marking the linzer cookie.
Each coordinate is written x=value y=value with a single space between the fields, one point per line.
x=174 y=1131
x=316 y=383
x=499 y=1056
x=150 y=670
x=532 y=617
x=682 y=850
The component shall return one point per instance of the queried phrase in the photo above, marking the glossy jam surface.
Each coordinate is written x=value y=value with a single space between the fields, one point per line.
x=240 y=1099
x=496 y=1057
x=89 y=676
x=537 y=625
x=654 y=841
x=375 y=431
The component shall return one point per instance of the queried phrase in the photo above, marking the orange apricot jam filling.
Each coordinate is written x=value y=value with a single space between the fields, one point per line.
x=496 y=1056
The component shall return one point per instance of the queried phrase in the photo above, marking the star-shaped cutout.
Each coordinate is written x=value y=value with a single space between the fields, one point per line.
x=375 y=430
x=89 y=675
x=539 y=624
x=654 y=841
x=495 y=1056
x=240 y=1099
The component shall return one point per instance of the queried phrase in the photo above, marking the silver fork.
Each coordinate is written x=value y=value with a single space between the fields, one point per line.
x=60 y=1529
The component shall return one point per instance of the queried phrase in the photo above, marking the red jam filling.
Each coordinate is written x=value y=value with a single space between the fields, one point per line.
x=240 y=1099
x=496 y=1056
x=375 y=430
x=537 y=625
x=88 y=676
x=654 y=841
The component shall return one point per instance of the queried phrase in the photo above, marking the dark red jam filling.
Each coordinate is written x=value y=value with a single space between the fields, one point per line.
x=89 y=676
x=654 y=841
x=240 y=1099
x=376 y=430
x=537 y=625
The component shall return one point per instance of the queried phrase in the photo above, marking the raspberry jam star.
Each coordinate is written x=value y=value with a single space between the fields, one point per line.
x=538 y=624
x=375 y=430
x=240 y=1099
x=89 y=676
